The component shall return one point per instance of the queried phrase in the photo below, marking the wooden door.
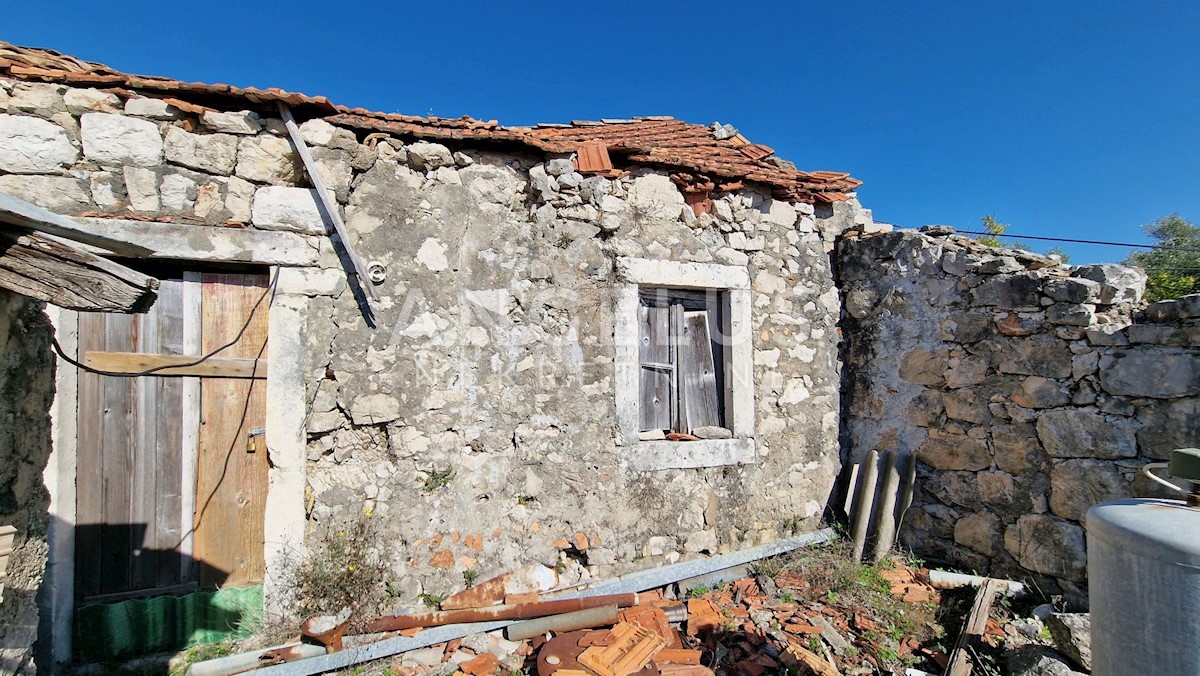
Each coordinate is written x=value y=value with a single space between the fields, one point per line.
x=168 y=499
x=231 y=478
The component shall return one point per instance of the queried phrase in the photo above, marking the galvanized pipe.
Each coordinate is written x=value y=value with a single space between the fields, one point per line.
x=580 y=619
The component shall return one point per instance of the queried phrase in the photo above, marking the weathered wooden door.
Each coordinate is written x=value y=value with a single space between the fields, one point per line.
x=172 y=467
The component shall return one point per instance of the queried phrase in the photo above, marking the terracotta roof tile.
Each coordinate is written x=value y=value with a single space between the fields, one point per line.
x=653 y=139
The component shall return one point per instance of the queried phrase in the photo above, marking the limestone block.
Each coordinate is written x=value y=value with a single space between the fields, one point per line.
x=995 y=265
x=1158 y=372
x=1038 y=355
x=333 y=166
x=239 y=199
x=701 y=542
x=1049 y=545
x=80 y=101
x=947 y=451
x=177 y=193
x=110 y=139
x=141 y=186
x=969 y=327
x=655 y=197
x=213 y=153
x=60 y=194
x=268 y=159
x=154 y=109
x=1012 y=292
x=966 y=371
x=429 y=156
x=560 y=167
x=1119 y=284
x=957 y=488
x=1168 y=425
x=106 y=189
x=1039 y=392
x=1072 y=290
x=31 y=145
x=317 y=132
x=1071 y=314
x=1038 y=660
x=927 y=367
x=1018 y=324
x=1189 y=306
x=1072 y=633
x=1084 y=433
x=779 y=212
x=374 y=409
x=1076 y=485
x=999 y=489
x=967 y=405
x=980 y=531
x=283 y=208
x=37 y=97
x=242 y=122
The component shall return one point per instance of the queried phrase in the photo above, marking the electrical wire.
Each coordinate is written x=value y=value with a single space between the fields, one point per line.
x=154 y=369
x=1159 y=247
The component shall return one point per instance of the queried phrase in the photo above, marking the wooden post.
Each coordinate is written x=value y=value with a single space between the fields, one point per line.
x=330 y=207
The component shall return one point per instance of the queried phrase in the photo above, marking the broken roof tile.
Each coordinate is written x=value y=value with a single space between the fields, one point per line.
x=657 y=140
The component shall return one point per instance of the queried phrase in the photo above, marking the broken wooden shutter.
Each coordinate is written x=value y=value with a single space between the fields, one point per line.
x=658 y=371
x=697 y=372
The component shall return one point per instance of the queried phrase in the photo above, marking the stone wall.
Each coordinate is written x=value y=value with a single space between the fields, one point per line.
x=491 y=352
x=26 y=392
x=1028 y=390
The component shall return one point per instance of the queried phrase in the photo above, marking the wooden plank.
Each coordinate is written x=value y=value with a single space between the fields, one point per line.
x=169 y=443
x=654 y=336
x=678 y=395
x=190 y=421
x=16 y=211
x=36 y=266
x=330 y=207
x=143 y=466
x=118 y=538
x=231 y=483
x=698 y=372
x=975 y=624
x=175 y=365
x=89 y=463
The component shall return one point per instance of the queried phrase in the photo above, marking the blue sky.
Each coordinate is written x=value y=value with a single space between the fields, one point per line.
x=1064 y=119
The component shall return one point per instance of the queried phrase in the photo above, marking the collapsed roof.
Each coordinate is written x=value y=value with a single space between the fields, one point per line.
x=704 y=158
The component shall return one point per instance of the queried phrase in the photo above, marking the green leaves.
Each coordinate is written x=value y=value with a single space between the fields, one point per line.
x=1173 y=270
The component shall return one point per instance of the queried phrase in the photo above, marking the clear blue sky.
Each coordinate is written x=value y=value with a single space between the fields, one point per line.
x=1067 y=119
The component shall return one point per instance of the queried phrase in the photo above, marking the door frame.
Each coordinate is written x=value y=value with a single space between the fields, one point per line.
x=284 y=518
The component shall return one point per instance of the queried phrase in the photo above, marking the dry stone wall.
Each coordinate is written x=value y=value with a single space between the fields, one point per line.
x=1028 y=390
x=490 y=360
x=26 y=392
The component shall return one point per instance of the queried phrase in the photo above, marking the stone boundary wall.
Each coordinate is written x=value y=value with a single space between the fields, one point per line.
x=26 y=392
x=1029 y=391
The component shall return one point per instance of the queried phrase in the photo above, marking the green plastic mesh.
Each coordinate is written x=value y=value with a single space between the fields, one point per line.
x=165 y=623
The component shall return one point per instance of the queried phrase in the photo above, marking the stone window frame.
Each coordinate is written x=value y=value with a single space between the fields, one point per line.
x=734 y=283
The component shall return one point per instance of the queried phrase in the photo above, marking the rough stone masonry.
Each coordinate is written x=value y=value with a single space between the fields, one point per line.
x=1029 y=391
x=491 y=361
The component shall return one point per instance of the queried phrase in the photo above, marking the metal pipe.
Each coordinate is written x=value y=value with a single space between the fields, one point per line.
x=885 y=531
x=234 y=664
x=942 y=579
x=580 y=619
x=522 y=612
x=864 y=498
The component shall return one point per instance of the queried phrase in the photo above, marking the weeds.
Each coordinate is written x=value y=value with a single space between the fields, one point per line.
x=698 y=591
x=470 y=576
x=341 y=569
x=432 y=600
x=438 y=478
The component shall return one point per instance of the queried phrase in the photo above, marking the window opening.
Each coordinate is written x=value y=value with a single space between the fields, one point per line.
x=683 y=359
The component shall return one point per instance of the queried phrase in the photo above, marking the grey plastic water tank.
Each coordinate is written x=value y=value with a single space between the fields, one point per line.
x=1144 y=588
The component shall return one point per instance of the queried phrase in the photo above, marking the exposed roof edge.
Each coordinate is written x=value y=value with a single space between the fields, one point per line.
x=719 y=160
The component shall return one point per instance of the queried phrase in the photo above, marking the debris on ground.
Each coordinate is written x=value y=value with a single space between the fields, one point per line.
x=812 y=612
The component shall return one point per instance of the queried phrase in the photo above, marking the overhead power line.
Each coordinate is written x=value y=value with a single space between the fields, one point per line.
x=1159 y=247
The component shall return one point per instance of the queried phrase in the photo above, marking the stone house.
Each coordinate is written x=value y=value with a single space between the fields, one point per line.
x=601 y=346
